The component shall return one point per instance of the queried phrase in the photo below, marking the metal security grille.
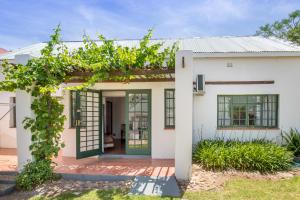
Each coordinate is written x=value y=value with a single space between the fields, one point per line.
x=88 y=123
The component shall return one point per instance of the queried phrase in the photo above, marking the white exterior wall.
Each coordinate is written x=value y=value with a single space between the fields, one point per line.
x=284 y=71
x=162 y=140
x=8 y=138
x=184 y=114
x=23 y=103
x=23 y=110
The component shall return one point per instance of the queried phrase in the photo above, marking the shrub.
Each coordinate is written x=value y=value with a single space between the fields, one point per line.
x=35 y=173
x=257 y=155
x=292 y=141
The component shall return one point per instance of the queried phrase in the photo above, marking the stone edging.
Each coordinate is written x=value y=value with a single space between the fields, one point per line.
x=89 y=177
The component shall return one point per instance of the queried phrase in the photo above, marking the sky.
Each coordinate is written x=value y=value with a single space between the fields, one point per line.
x=25 y=22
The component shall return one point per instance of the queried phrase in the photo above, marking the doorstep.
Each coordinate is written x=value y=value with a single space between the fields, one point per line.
x=88 y=177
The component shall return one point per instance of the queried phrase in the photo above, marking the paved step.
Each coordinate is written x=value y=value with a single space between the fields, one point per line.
x=157 y=186
x=6 y=188
x=88 y=177
x=7 y=182
x=7 y=178
x=8 y=173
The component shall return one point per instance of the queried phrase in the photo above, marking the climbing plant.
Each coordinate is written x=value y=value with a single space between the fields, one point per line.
x=42 y=76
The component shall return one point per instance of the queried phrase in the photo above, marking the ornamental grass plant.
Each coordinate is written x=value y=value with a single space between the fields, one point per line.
x=257 y=155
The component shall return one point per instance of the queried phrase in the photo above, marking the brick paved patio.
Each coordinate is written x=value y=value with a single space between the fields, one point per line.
x=8 y=159
x=117 y=166
x=99 y=166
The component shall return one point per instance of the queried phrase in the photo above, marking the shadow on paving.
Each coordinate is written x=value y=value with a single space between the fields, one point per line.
x=155 y=186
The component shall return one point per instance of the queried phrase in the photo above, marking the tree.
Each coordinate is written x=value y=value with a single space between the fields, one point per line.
x=288 y=29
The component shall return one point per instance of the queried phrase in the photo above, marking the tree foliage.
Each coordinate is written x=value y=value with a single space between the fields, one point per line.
x=288 y=29
x=42 y=76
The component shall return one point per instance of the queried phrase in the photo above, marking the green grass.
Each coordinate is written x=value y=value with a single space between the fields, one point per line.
x=253 y=189
x=234 y=189
x=99 y=194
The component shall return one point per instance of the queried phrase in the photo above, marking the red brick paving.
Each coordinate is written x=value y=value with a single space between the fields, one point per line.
x=99 y=166
x=8 y=159
x=116 y=166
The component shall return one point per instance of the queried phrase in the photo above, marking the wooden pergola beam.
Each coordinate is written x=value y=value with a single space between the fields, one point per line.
x=133 y=72
x=239 y=82
x=133 y=80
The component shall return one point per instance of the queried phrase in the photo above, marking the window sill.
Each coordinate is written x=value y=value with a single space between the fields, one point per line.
x=246 y=128
x=169 y=128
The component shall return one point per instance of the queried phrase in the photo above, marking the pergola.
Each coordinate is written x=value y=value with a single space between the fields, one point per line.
x=184 y=106
x=139 y=75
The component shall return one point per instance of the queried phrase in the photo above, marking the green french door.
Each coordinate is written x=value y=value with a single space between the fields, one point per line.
x=88 y=123
x=138 y=122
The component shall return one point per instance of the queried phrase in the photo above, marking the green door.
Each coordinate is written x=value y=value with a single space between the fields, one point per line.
x=138 y=122
x=88 y=123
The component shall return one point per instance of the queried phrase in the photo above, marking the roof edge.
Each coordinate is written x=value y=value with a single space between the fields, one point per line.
x=246 y=54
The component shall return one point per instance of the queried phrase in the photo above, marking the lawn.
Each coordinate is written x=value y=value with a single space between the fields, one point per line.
x=233 y=189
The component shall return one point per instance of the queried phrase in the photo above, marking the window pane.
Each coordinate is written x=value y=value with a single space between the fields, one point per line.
x=243 y=99
x=169 y=108
x=222 y=107
x=248 y=110
x=221 y=99
x=73 y=108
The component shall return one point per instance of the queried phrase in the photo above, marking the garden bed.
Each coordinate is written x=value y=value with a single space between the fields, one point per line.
x=257 y=155
x=205 y=180
x=59 y=187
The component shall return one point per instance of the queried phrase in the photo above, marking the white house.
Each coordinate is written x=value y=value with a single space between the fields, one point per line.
x=228 y=87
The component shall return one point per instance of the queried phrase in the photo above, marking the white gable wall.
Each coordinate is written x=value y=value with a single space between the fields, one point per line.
x=284 y=71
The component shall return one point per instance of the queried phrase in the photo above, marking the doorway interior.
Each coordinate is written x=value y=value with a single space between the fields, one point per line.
x=114 y=123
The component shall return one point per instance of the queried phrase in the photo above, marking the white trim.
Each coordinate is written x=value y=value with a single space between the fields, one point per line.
x=247 y=54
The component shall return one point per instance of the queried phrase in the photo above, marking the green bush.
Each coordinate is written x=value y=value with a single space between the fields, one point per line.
x=35 y=173
x=292 y=141
x=257 y=155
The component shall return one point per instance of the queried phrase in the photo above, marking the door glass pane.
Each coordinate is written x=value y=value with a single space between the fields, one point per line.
x=138 y=126
x=89 y=128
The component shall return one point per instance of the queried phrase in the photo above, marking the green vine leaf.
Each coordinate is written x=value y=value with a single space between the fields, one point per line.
x=42 y=76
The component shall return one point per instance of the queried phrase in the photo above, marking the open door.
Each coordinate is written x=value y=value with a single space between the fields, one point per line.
x=88 y=123
x=138 y=122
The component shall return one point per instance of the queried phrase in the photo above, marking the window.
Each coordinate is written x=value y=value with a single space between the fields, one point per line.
x=12 y=109
x=248 y=111
x=72 y=110
x=169 y=108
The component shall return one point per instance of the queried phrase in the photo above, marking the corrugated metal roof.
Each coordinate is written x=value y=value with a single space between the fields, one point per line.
x=226 y=44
